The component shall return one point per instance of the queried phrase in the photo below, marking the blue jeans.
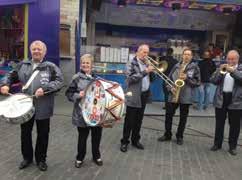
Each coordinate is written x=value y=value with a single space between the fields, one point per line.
x=204 y=95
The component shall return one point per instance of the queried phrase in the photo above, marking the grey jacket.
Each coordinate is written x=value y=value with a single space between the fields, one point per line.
x=134 y=78
x=193 y=80
x=218 y=79
x=50 y=79
x=79 y=83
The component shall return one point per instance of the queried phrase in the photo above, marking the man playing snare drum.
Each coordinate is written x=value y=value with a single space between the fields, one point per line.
x=48 y=80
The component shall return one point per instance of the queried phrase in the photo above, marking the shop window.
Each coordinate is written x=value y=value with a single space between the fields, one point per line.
x=65 y=40
x=11 y=33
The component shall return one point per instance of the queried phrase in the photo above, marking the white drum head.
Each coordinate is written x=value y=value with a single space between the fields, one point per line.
x=18 y=105
x=99 y=105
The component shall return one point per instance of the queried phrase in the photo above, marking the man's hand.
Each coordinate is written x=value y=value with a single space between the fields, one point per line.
x=39 y=92
x=149 y=69
x=82 y=93
x=4 y=90
x=230 y=69
x=183 y=76
x=173 y=90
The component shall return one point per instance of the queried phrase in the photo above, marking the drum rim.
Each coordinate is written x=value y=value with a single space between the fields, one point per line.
x=11 y=119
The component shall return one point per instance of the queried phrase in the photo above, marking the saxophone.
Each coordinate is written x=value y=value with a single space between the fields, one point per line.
x=179 y=83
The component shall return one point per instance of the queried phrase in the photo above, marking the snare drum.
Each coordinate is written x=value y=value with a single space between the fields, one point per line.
x=103 y=103
x=17 y=109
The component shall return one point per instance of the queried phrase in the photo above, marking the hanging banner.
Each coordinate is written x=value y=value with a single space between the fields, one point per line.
x=12 y=2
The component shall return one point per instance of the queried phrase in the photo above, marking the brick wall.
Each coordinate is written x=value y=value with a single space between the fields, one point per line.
x=69 y=14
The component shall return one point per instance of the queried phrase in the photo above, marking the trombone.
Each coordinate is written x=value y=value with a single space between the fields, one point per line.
x=159 y=70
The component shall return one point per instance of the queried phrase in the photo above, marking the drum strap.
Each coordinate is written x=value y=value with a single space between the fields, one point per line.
x=30 y=80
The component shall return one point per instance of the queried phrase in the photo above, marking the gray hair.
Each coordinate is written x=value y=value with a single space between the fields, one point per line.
x=38 y=42
x=142 y=46
x=234 y=52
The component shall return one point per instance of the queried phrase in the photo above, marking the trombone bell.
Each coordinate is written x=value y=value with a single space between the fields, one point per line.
x=162 y=66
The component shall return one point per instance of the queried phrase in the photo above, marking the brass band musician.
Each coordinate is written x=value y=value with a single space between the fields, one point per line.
x=138 y=82
x=228 y=101
x=187 y=74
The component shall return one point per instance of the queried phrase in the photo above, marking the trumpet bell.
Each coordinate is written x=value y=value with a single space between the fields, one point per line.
x=223 y=71
x=179 y=83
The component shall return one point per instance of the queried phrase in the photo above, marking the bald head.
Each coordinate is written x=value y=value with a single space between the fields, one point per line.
x=38 y=50
x=143 y=51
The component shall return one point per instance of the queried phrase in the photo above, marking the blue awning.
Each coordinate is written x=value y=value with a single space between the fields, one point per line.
x=12 y=2
x=235 y=2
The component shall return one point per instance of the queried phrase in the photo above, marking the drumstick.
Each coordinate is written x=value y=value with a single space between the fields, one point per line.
x=32 y=96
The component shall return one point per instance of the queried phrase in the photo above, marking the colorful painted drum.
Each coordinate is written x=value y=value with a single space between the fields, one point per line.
x=103 y=103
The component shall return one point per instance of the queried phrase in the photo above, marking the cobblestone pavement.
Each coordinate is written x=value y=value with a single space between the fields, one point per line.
x=159 y=161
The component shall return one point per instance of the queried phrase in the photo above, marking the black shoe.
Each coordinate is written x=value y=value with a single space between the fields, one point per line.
x=98 y=162
x=164 y=138
x=124 y=147
x=233 y=152
x=24 y=164
x=138 y=145
x=42 y=166
x=78 y=164
x=215 y=148
x=179 y=141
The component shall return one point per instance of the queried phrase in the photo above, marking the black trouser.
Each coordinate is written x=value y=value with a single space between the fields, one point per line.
x=133 y=121
x=82 y=142
x=234 y=122
x=165 y=92
x=43 y=128
x=170 y=112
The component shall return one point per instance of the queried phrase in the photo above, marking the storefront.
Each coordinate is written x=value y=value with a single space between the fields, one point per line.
x=120 y=26
x=21 y=22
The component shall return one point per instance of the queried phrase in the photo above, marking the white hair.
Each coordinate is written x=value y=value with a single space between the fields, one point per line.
x=142 y=46
x=38 y=42
x=234 y=52
x=87 y=56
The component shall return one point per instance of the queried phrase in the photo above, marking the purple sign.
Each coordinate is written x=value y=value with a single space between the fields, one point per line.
x=11 y=2
x=44 y=25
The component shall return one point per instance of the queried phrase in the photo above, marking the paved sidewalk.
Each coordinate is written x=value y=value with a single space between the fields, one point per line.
x=159 y=161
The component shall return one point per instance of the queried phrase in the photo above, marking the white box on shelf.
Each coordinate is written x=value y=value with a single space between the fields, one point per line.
x=102 y=56
x=107 y=54
x=124 y=55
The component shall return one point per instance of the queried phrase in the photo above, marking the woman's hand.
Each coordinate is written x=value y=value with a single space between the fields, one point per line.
x=82 y=93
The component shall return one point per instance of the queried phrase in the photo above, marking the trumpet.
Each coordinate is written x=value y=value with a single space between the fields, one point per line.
x=160 y=69
x=223 y=70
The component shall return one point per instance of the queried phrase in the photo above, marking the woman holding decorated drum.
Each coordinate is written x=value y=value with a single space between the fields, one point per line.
x=75 y=93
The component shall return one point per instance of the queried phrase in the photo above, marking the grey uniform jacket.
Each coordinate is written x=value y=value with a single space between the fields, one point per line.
x=134 y=77
x=218 y=79
x=193 y=80
x=79 y=83
x=50 y=79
